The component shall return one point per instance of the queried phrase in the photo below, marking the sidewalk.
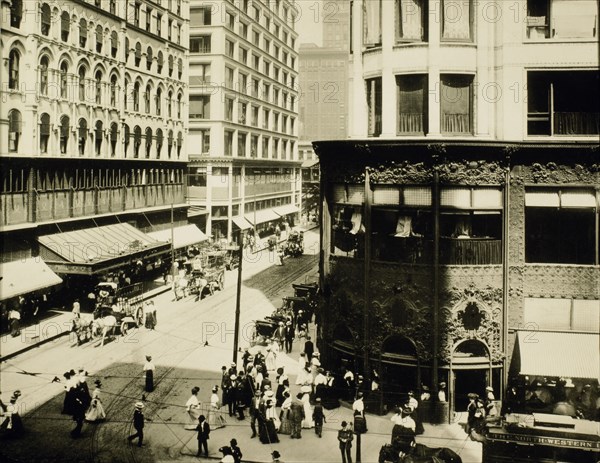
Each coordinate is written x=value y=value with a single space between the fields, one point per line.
x=47 y=330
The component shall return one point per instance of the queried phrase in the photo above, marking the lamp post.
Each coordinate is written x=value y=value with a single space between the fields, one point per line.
x=238 y=301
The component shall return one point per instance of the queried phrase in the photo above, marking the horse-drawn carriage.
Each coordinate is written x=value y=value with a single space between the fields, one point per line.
x=204 y=274
x=295 y=244
x=262 y=332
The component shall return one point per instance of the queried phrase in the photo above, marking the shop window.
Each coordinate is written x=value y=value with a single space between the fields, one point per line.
x=456 y=104
x=457 y=20
x=372 y=23
x=374 y=100
x=347 y=231
x=560 y=226
x=412 y=104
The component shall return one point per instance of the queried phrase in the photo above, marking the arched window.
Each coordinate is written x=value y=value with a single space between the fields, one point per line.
x=44 y=132
x=83 y=32
x=114 y=134
x=136 y=96
x=113 y=90
x=179 y=68
x=44 y=75
x=14 y=61
x=126 y=49
x=98 y=87
x=16 y=13
x=14 y=130
x=159 y=62
x=138 y=53
x=137 y=140
x=158 y=101
x=159 y=142
x=170 y=65
x=179 y=106
x=45 y=19
x=169 y=143
x=82 y=136
x=64 y=79
x=126 y=94
x=113 y=7
x=65 y=26
x=81 y=74
x=170 y=105
x=149 y=58
x=126 y=138
x=147 y=99
x=98 y=135
x=99 y=38
x=148 y=141
x=179 y=143
x=114 y=44
x=64 y=134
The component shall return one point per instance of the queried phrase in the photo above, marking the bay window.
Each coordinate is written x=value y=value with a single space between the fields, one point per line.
x=412 y=104
x=411 y=20
x=457 y=20
x=372 y=23
x=456 y=101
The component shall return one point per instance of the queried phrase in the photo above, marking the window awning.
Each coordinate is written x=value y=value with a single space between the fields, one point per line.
x=309 y=163
x=24 y=276
x=241 y=223
x=266 y=215
x=185 y=235
x=285 y=210
x=194 y=211
x=562 y=354
x=92 y=250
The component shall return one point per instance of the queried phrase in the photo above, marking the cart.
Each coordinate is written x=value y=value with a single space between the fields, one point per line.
x=262 y=332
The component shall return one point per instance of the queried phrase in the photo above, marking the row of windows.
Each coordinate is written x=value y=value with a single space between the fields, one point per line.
x=15 y=180
x=153 y=21
x=544 y=19
x=197 y=176
x=153 y=142
x=558 y=103
x=257 y=146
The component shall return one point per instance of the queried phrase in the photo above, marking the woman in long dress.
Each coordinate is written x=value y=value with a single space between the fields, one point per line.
x=215 y=418
x=307 y=422
x=270 y=358
x=95 y=412
x=12 y=420
x=286 y=424
x=193 y=408
x=301 y=367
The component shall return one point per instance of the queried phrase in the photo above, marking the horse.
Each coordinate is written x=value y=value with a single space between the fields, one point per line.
x=105 y=325
x=417 y=453
x=82 y=327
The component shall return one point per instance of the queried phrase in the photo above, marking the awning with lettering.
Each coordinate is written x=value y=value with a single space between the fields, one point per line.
x=185 y=235
x=285 y=210
x=557 y=354
x=90 y=251
x=241 y=223
x=266 y=215
x=25 y=276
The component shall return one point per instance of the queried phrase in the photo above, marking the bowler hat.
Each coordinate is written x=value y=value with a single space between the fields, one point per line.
x=275 y=454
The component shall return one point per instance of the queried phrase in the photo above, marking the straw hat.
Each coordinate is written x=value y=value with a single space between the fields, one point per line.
x=139 y=405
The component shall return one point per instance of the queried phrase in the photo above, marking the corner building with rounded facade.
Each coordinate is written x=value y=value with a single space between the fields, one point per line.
x=460 y=220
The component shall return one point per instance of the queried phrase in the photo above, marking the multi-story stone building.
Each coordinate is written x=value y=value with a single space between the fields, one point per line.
x=244 y=168
x=460 y=231
x=92 y=124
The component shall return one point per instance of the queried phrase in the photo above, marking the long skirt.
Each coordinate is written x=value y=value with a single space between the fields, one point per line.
x=95 y=412
x=267 y=433
x=215 y=418
x=68 y=404
x=149 y=380
x=416 y=416
x=286 y=423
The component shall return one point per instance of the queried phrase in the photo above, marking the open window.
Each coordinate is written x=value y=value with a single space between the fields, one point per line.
x=562 y=19
x=347 y=228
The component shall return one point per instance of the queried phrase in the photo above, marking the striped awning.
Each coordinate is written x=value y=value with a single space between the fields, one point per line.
x=241 y=223
x=561 y=354
x=25 y=276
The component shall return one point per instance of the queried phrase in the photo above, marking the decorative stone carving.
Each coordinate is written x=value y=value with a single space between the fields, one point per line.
x=343 y=172
x=458 y=304
x=561 y=281
x=553 y=173
x=401 y=172
x=516 y=223
x=472 y=172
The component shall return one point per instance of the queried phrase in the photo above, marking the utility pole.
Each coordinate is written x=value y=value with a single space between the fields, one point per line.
x=173 y=269
x=238 y=299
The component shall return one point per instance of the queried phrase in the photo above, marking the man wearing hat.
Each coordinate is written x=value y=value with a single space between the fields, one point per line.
x=276 y=456
x=255 y=411
x=203 y=429
x=345 y=439
x=138 y=424
x=309 y=348
x=318 y=417
x=289 y=336
x=442 y=392
x=279 y=335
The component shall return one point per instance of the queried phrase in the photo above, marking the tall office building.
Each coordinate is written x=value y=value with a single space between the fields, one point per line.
x=92 y=125
x=244 y=170
x=460 y=220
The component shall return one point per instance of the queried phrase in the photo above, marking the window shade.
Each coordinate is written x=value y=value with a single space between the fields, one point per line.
x=339 y=194
x=542 y=199
x=356 y=194
x=456 y=197
x=386 y=195
x=586 y=315
x=487 y=198
x=416 y=196
x=577 y=198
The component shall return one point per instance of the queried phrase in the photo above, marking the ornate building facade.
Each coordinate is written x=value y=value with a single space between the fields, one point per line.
x=244 y=170
x=92 y=123
x=461 y=217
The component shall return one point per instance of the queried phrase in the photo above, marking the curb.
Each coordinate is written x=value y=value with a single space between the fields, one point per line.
x=41 y=342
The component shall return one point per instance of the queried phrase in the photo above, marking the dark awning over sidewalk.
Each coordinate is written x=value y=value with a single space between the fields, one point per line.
x=24 y=276
x=92 y=250
x=560 y=354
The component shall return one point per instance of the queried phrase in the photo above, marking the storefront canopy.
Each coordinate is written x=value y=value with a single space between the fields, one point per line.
x=185 y=235
x=266 y=215
x=93 y=250
x=285 y=210
x=561 y=354
x=241 y=223
x=194 y=211
x=24 y=276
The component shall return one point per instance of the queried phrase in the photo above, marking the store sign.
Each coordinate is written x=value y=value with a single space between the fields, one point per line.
x=542 y=440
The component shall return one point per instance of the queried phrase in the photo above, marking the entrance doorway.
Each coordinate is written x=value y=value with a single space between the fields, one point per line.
x=465 y=382
x=399 y=369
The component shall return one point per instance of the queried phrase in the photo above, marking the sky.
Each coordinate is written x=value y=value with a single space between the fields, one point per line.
x=309 y=25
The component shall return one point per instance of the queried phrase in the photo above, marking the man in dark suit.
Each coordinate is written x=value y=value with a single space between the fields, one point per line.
x=289 y=337
x=138 y=424
x=309 y=349
x=254 y=411
x=203 y=434
x=345 y=439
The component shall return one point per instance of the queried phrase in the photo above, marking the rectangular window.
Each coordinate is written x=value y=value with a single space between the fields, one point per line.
x=200 y=44
x=196 y=176
x=254 y=116
x=562 y=314
x=229 y=109
x=200 y=106
x=563 y=103
x=265 y=121
x=229 y=48
x=242 y=109
x=200 y=74
x=457 y=20
x=136 y=14
x=372 y=23
x=562 y=19
x=243 y=55
x=374 y=106
x=230 y=21
x=200 y=16
x=254 y=146
x=411 y=20
x=560 y=226
x=158 y=24
x=228 y=77
x=456 y=103
x=148 y=18
x=241 y=148
x=265 y=146
x=412 y=104
x=228 y=141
